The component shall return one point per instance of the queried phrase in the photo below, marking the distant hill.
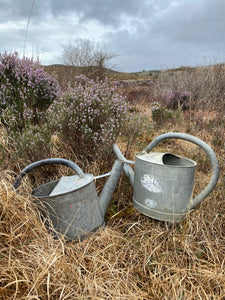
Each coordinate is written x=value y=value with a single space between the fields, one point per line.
x=65 y=74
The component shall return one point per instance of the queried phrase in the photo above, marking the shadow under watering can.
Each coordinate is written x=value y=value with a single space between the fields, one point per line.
x=163 y=182
x=71 y=203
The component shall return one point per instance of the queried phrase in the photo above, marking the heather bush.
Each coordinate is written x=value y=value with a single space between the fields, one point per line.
x=175 y=98
x=88 y=116
x=205 y=85
x=26 y=91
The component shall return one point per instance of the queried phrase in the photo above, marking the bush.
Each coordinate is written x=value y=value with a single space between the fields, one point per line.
x=176 y=98
x=136 y=131
x=204 y=83
x=26 y=91
x=160 y=113
x=33 y=142
x=89 y=116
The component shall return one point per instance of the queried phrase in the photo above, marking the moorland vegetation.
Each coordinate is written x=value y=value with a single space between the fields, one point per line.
x=133 y=257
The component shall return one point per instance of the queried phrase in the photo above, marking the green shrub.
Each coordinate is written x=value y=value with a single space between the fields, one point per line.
x=136 y=130
x=160 y=113
x=33 y=142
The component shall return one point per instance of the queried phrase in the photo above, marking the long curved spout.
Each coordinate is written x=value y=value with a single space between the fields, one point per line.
x=127 y=168
x=110 y=185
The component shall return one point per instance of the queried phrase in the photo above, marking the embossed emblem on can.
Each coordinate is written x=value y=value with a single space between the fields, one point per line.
x=151 y=184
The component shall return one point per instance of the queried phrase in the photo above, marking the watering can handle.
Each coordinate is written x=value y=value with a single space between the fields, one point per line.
x=205 y=147
x=48 y=161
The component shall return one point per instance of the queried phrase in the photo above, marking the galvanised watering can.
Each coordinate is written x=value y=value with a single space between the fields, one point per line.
x=71 y=203
x=163 y=182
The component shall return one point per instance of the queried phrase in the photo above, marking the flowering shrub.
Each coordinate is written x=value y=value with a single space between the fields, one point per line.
x=88 y=116
x=26 y=90
x=174 y=99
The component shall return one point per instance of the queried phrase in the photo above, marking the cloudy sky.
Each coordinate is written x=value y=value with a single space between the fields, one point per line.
x=146 y=34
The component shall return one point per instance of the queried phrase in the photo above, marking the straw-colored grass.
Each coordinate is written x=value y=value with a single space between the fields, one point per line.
x=134 y=256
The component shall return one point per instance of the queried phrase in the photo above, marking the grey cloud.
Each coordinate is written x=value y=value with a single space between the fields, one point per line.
x=10 y=10
x=144 y=33
x=21 y=9
x=106 y=12
x=196 y=22
x=178 y=33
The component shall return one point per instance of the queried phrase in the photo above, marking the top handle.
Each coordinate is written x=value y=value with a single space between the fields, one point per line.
x=205 y=147
x=48 y=161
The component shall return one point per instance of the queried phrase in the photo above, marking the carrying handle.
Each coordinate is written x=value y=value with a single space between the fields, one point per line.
x=48 y=161
x=205 y=147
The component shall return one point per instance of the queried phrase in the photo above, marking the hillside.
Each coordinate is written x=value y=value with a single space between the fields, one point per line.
x=67 y=73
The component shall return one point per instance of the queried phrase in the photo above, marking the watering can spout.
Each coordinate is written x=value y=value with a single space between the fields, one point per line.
x=127 y=168
x=109 y=187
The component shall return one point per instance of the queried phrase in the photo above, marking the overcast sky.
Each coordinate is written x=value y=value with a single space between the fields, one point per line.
x=146 y=34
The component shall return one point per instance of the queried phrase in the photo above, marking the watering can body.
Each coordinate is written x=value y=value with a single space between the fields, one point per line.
x=163 y=185
x=74 y=212
x=163 y=182
x=71 y=204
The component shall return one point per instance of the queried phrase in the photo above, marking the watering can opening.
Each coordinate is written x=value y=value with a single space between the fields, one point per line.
x=174 y=160
x=62 y=186
x=166 y=159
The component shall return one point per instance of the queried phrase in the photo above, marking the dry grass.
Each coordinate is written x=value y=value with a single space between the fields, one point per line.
x=133 y=257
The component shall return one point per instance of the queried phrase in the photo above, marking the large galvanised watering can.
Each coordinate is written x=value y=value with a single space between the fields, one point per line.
x=71 y=203
x=163 y=182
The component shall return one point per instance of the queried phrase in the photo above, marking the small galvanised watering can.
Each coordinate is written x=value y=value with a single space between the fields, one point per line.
x=163 y=182
x=71 y=202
